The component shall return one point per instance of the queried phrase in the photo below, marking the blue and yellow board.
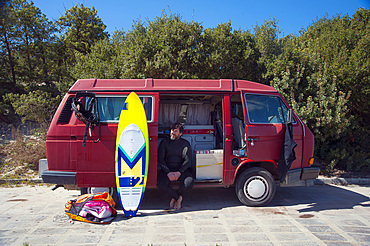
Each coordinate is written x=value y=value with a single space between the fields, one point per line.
x=132 y=154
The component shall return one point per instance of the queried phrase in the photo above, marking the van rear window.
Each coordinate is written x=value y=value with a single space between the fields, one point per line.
x=110 y=107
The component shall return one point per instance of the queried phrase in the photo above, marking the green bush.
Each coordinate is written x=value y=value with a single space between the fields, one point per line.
x=36 y=106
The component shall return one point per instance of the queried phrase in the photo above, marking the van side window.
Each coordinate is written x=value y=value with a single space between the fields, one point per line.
x=109 y=107
x=266 y=109
x=187 y=113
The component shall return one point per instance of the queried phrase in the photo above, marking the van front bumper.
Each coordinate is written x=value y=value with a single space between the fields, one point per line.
x=59 y=177
x=301 y=177
x=310 y=173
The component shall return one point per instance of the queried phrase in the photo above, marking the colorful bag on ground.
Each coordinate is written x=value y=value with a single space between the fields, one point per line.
x=93 y=208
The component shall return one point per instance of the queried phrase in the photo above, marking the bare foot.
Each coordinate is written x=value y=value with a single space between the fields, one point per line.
x=178 y=203
x=172 y=203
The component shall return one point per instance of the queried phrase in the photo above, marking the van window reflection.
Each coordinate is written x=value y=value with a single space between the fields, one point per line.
x=110 y=108
x=266 y=109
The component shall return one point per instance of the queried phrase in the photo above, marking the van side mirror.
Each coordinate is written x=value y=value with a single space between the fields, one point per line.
x=290 y=117
x=83 y=104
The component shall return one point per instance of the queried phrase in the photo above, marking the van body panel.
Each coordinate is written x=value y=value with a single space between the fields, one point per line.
x=58 y=144
x=227 y=141
x=249 y=86
x=151 y=85
x=94 y=164
x=309 y=144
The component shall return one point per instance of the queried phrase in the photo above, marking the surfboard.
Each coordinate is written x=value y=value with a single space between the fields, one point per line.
x=132 y=154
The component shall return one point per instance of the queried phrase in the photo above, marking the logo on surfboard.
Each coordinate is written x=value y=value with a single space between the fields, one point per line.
x=131 y=156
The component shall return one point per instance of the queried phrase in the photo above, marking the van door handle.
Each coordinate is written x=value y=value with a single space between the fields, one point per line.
x=74 y=137
x=252 y=140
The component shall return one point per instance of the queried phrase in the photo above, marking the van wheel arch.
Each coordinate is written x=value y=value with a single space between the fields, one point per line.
x=255 y=186
x=269 y=166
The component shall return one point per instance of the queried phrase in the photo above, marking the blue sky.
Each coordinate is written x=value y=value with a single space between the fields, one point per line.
x=292 y=15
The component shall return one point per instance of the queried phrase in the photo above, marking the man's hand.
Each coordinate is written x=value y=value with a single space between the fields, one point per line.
x=173 y=176
x=177 y=175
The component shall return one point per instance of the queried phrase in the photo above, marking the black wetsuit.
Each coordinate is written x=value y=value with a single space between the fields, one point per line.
x=173 y=156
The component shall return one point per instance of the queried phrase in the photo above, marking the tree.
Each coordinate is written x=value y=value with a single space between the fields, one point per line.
x=230 y=54
x=343 y=43
x=8 y=40
x=321 y=106
x=26 y=35
x=102 y=61
x=37 y=106
x=170 y=47
x=81 y=28
x=166 y=48
x=330 y=58
x=26 y=40
x=269 y=46
x=35 y=34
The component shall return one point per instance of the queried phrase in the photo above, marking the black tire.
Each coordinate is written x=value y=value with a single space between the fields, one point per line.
x=255 y=187
x=115 y=198
x=83 y=191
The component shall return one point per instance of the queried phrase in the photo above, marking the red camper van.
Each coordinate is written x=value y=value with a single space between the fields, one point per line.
x=236 y=129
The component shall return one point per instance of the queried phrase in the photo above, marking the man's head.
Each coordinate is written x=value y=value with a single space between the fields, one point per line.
x=176 y=131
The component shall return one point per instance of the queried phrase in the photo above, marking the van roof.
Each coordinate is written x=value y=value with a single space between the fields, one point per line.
x=168 y=85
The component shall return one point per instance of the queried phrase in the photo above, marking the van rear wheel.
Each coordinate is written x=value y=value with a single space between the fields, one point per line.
x=255 y=187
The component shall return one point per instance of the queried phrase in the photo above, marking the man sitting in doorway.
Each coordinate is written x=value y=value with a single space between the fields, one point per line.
x=174 y=161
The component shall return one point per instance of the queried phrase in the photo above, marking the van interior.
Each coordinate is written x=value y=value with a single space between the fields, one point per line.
x=202 y=116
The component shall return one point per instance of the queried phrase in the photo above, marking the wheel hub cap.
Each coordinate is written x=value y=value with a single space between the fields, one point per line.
x=256 y=188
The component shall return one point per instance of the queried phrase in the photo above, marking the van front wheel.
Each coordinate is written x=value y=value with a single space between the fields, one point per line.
x=255 y=187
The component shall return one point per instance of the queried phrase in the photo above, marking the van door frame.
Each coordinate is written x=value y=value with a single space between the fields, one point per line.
x=253 y=140
x=229 y=170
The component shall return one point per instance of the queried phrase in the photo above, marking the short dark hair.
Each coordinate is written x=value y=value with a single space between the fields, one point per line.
x=177 y=125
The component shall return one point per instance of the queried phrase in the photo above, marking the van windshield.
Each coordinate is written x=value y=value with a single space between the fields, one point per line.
x=110 y=107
